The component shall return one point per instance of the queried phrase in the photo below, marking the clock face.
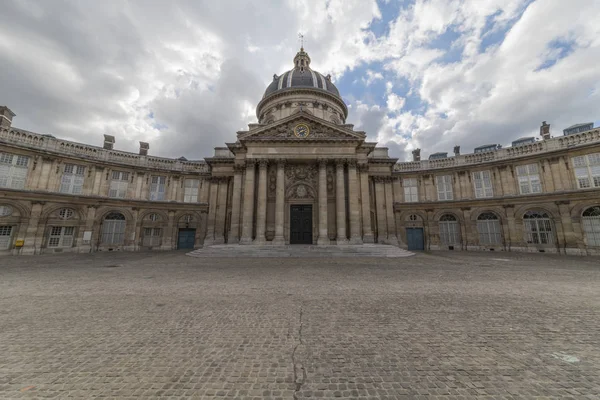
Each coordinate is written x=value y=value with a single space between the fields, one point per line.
x=301 y=131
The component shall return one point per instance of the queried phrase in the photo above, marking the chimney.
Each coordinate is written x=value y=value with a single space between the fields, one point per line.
x=109 y=142
x=416 y=154
x=457 y=150
x=6 y=116
x=144 y=148
x=545 y=130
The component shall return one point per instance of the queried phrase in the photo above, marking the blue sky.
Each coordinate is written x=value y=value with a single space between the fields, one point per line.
x=426 y=74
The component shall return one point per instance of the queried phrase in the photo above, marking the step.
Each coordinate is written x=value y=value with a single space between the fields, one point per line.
x=303 y=251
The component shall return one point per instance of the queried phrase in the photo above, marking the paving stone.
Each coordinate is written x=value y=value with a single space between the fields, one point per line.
x=433 y=326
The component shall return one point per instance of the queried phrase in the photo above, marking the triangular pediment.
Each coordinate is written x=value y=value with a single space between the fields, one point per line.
x=287 y=129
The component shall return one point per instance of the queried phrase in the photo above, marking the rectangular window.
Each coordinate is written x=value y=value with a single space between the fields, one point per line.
x=449 y=233
x=113 y=232
x=191 y=190
x=157 y=188
x=444 y=187
x=72 y=179
x=118 y=184
x=482 y=181
x=529 y=179
x=152 y=237
x=587 y=170
x=489 y=232
x=61 y=236
x=5 y=235
x=411 y=190
x=13 y=170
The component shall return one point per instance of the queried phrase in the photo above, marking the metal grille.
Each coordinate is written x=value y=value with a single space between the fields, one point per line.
x=113 y=229
x=449 y=230
x=591 y=226
x=538 y=228
x=489 y=229
x=152 y=236
x=5 y=234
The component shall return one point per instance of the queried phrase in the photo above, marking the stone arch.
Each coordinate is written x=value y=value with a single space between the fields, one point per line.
x=455 y=213
x=104 y=211
x=49 y=212
x=499 y=212
x=404 y=215
x=23 y=210
x=520 y=211
x=144 y=214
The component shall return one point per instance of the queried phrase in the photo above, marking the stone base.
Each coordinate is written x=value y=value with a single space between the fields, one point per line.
x=342 y=242
x=356 y=240
x=246 y=241
x=323 y=241
x=278 y=241
x=368 y=238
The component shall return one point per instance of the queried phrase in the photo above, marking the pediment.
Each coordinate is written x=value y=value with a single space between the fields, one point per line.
x=319 y=130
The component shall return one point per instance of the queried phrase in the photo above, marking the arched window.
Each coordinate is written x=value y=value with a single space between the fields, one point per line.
x=449 y=230
x=538 y=227
x=591 y=226
x=413 y=217
x=113 y=229
x=488 y=227
x=186 y=218
x=5 y=211
x=66 y=213
x=153 y=217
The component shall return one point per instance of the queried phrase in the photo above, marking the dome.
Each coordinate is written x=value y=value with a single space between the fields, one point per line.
x=302 y=76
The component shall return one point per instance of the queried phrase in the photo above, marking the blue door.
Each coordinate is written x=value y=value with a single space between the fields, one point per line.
x=414 y=238
x=186 y=238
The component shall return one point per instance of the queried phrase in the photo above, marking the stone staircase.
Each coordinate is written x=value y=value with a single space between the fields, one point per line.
x=300 y=251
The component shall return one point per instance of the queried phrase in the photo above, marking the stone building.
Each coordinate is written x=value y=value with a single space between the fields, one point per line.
x=299 y=175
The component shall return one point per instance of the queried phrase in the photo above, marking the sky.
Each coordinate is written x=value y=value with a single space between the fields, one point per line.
x=186 y=75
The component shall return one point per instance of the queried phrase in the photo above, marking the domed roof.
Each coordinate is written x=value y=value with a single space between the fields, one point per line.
x=302 y=76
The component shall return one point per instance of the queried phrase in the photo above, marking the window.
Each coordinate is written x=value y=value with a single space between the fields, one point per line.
x=5 y=211
x=5 y=234
x=186 y=218
x=482 y=181
x=538 y=228
x=411 y=190
x=118 y=184
x=529 y=179
x=191 y=190
x=413 y=217
x=61 y=236
x=154 y=217
x=587 y=170
x=488 y=227
x=13 y=170
x=152 y=237
x=591 y=226
x=449 y=230
x=444 y=187
x=66 y=213
x=113 y=229
x=157 y=188
x=72 y=179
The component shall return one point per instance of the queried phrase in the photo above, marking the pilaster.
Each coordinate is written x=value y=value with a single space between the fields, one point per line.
x=279 y=203
x=353 y=197
x=340 y=202
x=365 y=199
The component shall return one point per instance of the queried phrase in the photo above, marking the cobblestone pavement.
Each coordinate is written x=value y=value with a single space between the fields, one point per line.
x=433 y=326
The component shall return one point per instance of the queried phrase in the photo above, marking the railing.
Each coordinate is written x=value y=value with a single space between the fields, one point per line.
x=51 y=144
x=542 y=146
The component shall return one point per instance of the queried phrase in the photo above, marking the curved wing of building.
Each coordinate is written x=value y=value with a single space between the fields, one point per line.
x=300 y=175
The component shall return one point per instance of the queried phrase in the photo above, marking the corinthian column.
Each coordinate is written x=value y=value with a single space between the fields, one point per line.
x=340 y=202
x=391 y=218
x=261 y=210
x=380 y=210
x=247 y=218
x=279 y=203
x=234 y=236
x=323 y=235
x=354 y=195
x=365 y=198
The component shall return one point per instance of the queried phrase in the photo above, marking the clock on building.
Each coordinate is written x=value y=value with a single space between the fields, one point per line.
x=301 y=131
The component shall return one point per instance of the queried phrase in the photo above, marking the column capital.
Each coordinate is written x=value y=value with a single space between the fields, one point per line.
x=250 y=162
x=280 y=162
x=363 y=167
x=263 y=163
x=238 y=168
x=322 y=162
x=352 y=163
x=340 y=161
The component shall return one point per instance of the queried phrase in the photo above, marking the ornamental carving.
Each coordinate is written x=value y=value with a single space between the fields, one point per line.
x=316 y=132
x=301 y=172
x=300 y=191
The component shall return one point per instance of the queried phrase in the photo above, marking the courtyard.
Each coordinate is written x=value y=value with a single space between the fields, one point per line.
x=443 y=325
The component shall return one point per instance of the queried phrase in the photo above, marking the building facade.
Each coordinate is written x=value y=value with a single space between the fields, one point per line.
x=300 y=175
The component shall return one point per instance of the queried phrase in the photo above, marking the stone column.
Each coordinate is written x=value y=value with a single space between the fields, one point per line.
x=279 y=203
x=97 y=181
x=323 y=238
x=380 y=210
x=248 y=215
x=45 y=174
x=221 y=215
x=354 y=195
x=234 y=236
x=90 y=221
x=340 y=202
x=139 y=184
x=212 y=212
x=174 y=186
x=569 y=242
x=261 y=209
x=389 y=211
x=468 y=237
x=510 y=229
x=365 y=199
x=167 y=242
x=32 y=243
x=204 y=190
